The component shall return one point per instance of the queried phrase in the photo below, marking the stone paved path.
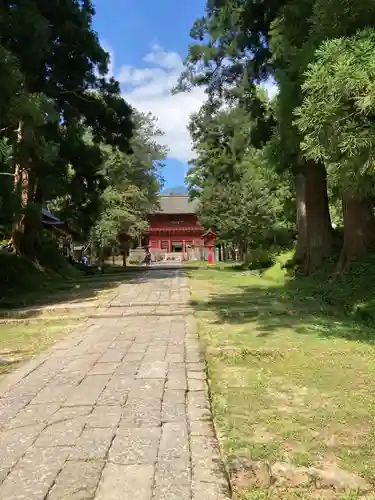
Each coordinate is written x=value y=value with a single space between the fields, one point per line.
x=117 y=411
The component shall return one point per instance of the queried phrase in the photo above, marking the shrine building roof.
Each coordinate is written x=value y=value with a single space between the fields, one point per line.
x=177 y=204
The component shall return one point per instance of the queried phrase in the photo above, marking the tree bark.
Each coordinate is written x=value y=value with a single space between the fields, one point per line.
x=32 y=223
x=220 y=252
x=301 y=248
x=125 y=253
x=315 y=233
x=24 y=224
x=21 y=180
x=359 y=229
x=18 y=191
x=27 y=223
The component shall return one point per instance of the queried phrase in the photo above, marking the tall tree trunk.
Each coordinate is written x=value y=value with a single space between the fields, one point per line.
x=359 y=229
x=232 y=252
x=24 y=191
x=18 y=191
x=315 y=233
x=21 y=181
x=27 y=223
x=319 y=225
x=220 y=252
x=301 y=248
x=32 y=219
x=243 y=248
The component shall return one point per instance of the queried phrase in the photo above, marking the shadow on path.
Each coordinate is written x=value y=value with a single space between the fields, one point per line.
x=81 y=292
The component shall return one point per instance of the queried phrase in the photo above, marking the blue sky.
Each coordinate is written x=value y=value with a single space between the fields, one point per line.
x=147 y=35
x=147 y=41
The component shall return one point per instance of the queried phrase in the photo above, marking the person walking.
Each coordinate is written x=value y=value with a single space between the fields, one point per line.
x=148 y=257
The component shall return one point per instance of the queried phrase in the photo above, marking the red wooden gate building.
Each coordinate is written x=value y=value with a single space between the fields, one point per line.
x=175 y=226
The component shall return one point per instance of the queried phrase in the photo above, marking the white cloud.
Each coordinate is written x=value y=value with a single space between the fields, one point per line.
x=149 y=88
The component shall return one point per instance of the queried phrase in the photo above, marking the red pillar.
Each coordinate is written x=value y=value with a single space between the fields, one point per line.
x=210 y=254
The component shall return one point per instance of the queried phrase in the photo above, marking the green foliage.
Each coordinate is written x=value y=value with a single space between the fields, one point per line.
x=133 y=182
x=18 y=274
x=350 y=294
x=237 y=44
x=118 y=215
x=322 y=62
x=54 y=90
x=337 y=114
x=66 y=134
x=259 y=259
x=241 y=196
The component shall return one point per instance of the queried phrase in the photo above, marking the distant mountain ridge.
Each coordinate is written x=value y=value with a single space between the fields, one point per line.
x=177 y=190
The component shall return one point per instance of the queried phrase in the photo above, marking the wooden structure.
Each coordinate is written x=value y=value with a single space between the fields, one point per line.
x=51 y=221
x=209 y=240
x=65 y=234
x=174 y=227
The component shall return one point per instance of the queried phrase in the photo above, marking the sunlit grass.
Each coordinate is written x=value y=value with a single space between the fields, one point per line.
x=291 y=375
x=19 y=342
x=26 y=332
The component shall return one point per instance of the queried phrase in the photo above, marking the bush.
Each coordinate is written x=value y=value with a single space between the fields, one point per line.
x=158 y=257
x=259 y=259
x=134 y=260
x=280 y=237
x=50 y=257
x=19 y=275
x=17 y=272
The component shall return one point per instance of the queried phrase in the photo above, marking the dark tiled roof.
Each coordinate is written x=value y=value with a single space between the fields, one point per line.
x=48 y=215
x=177 y=205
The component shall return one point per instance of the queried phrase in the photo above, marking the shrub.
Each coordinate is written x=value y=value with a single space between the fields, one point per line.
x=19 y=275
x=134 y=260
x=259 y=259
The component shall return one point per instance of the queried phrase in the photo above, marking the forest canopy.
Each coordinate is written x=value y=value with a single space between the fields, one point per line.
x=302 y=159
x=68 y=140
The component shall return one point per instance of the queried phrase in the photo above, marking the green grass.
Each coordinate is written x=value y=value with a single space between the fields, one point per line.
x=22 y=339
x=24 y=335
x=291 y=366
x=19 y=342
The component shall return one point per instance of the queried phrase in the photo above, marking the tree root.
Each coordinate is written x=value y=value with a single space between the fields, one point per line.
x=342 y=263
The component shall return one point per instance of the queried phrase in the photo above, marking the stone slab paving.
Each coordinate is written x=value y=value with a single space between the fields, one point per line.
x=117 y=411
